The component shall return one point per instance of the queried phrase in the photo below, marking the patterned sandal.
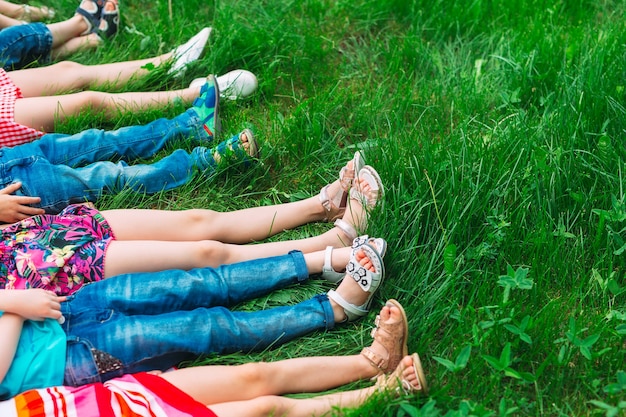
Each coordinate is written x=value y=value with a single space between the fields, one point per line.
x=395 y=382
x=330 y=275
x=233 y=148
x=369 y=281
x=336 y=205
x=392 y=337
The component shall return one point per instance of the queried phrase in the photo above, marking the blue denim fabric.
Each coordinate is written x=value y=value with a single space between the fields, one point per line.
x=25 y=44
x=63 y=169
x=155 y=320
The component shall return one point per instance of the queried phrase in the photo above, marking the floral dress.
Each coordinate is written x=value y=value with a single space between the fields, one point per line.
x=59 y=253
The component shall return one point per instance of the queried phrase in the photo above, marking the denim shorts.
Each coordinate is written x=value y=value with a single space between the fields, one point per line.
x=23 y=45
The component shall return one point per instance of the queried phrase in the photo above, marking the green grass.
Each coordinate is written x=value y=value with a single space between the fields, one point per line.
x=498 y=128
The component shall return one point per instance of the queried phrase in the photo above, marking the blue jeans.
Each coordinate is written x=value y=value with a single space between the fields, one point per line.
x=150 y=321
x=25 y=44
x=63 y=169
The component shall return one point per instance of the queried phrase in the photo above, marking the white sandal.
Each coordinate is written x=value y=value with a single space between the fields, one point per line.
x=369 y=281
x=330 y=275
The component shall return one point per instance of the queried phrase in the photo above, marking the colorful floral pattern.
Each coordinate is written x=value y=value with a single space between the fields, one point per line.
x=59 y=253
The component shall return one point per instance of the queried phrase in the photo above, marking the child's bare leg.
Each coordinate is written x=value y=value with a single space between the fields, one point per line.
x=277 y=406
x=6 y=21
x=261 y=383
x=213 y=384
x=41 y=112
x=241 y=226
x=125 y=257
x=66 y=30
x=74 y=45
x=24 y=12
x=273 y=405
x=130 y=256
x=66 y=76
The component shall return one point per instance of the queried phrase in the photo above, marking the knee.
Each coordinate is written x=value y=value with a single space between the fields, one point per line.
x=198 y=216
x=256 y=376
x=93 y=99
x=67 y=67
x=211 y=253
x=271 y=405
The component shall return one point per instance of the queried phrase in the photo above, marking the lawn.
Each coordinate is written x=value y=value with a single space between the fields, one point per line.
x=498 y=128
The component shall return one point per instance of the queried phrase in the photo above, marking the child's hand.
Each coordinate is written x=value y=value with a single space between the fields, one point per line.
x=33 y=304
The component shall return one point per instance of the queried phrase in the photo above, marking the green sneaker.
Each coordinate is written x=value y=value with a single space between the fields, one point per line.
x=206 y=106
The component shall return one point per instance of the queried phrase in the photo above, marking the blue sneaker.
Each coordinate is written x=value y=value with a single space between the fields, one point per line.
x=207 y=105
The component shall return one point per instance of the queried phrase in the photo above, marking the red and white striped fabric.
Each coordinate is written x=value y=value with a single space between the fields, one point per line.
x=139 y=395
x=12 y=133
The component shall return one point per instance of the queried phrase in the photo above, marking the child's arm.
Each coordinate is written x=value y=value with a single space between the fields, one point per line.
x=17 y=306
x=33 y=304
x=10 y=329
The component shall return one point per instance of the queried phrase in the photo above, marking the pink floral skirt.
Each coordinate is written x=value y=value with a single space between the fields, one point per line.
x=60 y=253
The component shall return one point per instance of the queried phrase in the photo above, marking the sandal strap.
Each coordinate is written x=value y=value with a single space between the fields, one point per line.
x=347 y=228
x=328 y=273
x=377 y=361
x=352 y=312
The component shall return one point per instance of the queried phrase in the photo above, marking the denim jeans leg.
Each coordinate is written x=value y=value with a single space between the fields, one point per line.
x=144 y=343
x=127 y=143
x=161 y=292
x=154 y=321
x=47 y=167
x=22 y=45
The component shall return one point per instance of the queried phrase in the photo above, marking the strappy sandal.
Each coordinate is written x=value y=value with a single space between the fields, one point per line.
x=376 y=185
x=336 y=205
x=234 y=148
x=392 y=338
x=330 y=275
x=109 y=21
x=396 y=382
x=91 y=16
x=28 y=14
x=369 y=281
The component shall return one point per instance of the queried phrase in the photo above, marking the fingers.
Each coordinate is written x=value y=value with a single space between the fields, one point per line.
x=11 y=188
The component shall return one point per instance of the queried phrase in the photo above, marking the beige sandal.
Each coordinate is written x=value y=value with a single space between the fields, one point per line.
x=392 y=337
x=396 y=382
x=336 y=205
x=373 y=180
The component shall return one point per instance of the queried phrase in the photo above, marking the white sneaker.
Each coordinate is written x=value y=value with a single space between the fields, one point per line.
x=188 y=52
x=233 y=85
